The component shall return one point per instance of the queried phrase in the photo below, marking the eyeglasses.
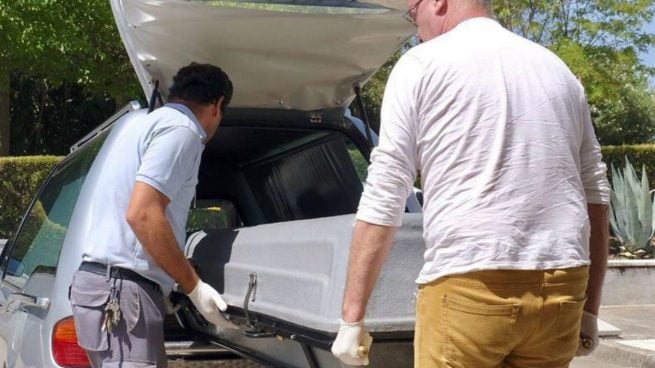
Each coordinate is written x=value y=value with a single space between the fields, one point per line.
x=410 y=14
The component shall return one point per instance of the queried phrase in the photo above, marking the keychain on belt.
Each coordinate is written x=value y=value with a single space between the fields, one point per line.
x=112 y=309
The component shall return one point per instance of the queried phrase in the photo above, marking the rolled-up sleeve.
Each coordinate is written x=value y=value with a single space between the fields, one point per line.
x=593 y=169
x=169 y=159
x=393 y=167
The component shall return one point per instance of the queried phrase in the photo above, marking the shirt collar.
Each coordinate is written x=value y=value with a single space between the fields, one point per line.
x=186 y=111
x=476 y=20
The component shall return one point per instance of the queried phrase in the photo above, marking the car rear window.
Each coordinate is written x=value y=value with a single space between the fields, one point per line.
x=38 y=242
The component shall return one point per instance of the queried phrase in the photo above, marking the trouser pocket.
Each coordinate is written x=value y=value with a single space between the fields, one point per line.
x=485 y=324
x=89 y=295
x=142 y=323
x=477 y=334
x=566 y=333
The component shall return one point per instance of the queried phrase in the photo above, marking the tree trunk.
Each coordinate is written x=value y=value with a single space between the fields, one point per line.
x=4 y=113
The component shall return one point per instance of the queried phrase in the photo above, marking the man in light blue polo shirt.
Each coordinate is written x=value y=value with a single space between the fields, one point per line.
x=133 y=249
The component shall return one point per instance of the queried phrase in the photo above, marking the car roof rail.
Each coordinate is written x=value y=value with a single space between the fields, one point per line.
x=131 y=106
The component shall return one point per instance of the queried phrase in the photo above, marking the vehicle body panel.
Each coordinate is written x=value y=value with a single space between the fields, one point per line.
x=26 y=332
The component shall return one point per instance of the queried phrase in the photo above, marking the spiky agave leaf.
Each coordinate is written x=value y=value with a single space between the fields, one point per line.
x=633 y=225
x=617 y=218
x=646 y=207
x=631 y=207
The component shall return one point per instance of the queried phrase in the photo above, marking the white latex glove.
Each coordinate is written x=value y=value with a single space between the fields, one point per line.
x=210 y=304
x=352 y=343
x=588 y=334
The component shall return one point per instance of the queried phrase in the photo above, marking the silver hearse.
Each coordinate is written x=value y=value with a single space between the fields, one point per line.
x=271 y=224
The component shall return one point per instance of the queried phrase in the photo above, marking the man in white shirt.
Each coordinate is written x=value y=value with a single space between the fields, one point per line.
x=515 y=198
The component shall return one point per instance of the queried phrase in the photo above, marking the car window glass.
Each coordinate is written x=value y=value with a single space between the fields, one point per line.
x=317 y=180
x=360 y=163
x=38 y=242
x=212 y=214
x=278 y=174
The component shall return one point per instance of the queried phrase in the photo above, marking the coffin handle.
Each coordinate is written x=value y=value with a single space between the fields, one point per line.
x=252 y=290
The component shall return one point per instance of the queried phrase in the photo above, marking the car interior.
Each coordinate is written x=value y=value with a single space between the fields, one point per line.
x=272 y=175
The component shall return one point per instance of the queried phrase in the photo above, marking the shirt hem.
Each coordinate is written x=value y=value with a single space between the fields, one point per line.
x=426 y=278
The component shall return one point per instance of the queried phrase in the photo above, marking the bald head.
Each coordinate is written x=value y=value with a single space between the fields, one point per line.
x=436 y=17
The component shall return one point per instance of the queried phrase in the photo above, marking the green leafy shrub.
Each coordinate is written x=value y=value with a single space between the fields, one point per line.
x=640 y=155
x=39 y=233
x=20 y=179
x=631 y=208
x=360 y=163
x=213 y=214
x=207 y=219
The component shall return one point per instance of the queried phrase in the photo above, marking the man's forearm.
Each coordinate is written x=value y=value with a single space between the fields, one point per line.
x=598 y=251
x=156 y=235
x=369 y=249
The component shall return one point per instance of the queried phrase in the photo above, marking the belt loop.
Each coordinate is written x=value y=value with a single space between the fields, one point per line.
x=108 y=272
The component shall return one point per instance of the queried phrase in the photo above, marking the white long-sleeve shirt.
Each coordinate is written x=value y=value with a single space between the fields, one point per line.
x=500 y=131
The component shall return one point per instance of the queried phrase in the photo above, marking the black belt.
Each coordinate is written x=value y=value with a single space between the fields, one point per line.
x=118 y=273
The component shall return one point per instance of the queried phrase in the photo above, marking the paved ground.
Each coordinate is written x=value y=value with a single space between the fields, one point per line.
x=592 y=362
x=634 y=346
x=635 y=321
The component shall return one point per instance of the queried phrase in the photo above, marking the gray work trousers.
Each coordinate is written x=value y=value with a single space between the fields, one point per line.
x=137 y=340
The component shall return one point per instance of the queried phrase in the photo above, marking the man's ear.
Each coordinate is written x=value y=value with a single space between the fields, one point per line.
x=217 y=106
x=440 y=7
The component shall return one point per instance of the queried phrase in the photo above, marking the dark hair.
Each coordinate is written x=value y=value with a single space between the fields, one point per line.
x=201 y=83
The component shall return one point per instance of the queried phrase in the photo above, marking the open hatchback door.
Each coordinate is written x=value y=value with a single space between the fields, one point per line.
x=301 y=56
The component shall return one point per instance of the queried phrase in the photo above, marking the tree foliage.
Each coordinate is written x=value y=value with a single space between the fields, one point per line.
x=622 y=105
x=20 y=179
x=598 y=23
x=373 y=91
x=60 y=52
x=48 y=119
x=73 y=40
x=600 y=41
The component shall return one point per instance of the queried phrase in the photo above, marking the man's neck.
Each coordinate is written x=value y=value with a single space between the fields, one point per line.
x=463 y=13
x=197 y=110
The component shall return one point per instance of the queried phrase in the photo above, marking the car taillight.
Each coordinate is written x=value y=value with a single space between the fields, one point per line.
x=65 y=349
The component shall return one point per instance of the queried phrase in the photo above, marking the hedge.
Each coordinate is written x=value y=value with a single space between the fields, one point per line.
x=20 y=179
x=640 y=155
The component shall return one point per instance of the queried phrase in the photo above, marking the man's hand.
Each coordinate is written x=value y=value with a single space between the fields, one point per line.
x=588 y=334
x=210 y=304
x=171 y=308
x=352 y=343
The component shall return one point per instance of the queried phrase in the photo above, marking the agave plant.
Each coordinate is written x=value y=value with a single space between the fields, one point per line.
x=631 y=209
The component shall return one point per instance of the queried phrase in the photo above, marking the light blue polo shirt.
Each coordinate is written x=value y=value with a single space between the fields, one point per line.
x=163 y=149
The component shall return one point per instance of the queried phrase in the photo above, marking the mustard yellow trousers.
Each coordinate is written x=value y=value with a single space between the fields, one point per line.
x=503 y=318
